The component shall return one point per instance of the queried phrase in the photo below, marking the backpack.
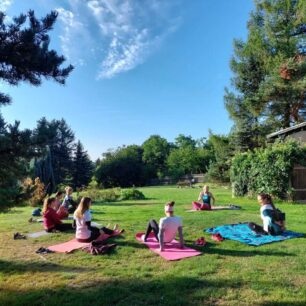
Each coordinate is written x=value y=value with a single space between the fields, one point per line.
x=97 y=247
x=36 y=212
x=278 y=215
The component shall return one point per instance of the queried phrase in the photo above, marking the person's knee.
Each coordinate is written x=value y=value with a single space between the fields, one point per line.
x=152 y=222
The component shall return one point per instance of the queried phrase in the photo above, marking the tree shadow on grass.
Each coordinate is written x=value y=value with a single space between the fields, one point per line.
x=131 y=291
x=210 y=248
x=21 y=267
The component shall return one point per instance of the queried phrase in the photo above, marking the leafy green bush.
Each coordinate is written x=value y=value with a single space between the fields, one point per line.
x=132 y=194
x=103 y=195
x=266 y=169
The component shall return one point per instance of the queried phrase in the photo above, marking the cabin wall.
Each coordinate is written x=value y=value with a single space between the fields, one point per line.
x=298 y=182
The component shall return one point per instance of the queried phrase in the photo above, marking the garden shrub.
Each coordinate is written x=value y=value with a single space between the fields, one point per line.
x=34 y=192
x=103 y=195
x=266 y=169
x=132 y=194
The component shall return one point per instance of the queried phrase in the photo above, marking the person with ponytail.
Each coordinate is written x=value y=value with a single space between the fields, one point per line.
x=51 y=220
x=273 y=219
x=82 y=222
x=167 y=228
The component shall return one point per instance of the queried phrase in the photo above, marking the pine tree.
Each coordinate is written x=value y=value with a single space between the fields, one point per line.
x=16 y=150
x=25 y=54
x=44 y=171
x=284 y=90
x=24 y=57
x=63 y=153
x=82 y=167
x=58 y=137
x=269 y=72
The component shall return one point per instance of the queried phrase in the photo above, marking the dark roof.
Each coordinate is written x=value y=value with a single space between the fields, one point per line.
x=289 y=130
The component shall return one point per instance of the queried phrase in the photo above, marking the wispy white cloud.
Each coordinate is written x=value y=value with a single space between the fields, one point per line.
x=121 y=33
x=133 y=30
x=72 y=30
x=5 y=4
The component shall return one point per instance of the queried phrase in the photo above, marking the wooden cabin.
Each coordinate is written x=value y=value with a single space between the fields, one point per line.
x=298 y=179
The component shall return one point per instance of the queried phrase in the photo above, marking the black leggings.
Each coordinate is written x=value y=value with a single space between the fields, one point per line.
x=257 y=229
x=62 y=227
x=106 y=230
x=152 y=226
x=95 y=233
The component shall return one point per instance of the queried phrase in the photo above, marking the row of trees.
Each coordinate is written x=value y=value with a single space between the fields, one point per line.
x=49 y=152
x=62 y=160
x=157 y=158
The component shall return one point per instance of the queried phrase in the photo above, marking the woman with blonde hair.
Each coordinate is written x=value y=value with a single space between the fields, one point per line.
x=82 y=221
x=51 y=220
x=204 y=200
x=69 y=204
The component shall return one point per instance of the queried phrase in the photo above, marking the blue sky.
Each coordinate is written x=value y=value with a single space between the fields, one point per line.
x=143 y=67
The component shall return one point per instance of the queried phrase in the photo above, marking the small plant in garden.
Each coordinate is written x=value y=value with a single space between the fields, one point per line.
x=132 y=194
x=93 y=183
x=27 y=187
x=38 y=193
x=34 y=192
x=103 y=195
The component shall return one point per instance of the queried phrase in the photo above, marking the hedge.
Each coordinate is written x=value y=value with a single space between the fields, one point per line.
x=267 y=169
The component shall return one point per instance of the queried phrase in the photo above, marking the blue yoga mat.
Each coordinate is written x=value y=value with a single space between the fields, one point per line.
x=242 y=233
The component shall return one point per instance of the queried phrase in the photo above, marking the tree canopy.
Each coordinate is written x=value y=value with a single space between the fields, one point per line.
x=24 y=52
x=269 y=82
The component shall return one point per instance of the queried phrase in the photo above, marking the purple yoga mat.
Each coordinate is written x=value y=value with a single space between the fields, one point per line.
x=172 y=251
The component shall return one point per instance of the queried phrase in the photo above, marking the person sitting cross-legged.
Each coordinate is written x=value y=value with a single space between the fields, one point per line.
x=204 y=200
x=85 y=232
x=168 y=226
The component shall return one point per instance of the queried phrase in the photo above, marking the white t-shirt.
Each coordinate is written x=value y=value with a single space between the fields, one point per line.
x=264 y=207
x=170 y=226
x=266 y=220
x=82 y=231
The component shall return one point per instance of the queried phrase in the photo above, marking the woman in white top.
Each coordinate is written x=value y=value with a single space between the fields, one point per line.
x=168 y=226
x=82 y=222
x=273 y=220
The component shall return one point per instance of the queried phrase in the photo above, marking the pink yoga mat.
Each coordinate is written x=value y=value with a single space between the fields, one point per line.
x=71 y=245
x=172 y=251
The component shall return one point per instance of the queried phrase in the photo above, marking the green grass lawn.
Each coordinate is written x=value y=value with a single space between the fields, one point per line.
x=228 y=273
